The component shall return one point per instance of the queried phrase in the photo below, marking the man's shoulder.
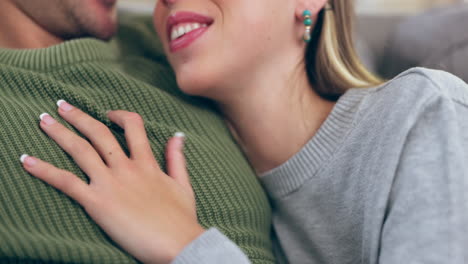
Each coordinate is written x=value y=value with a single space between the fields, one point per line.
x=133 y=24
x=136 y=35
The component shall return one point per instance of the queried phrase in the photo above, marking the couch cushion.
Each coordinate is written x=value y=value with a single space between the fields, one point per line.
x=373 y=32
x=436 y=39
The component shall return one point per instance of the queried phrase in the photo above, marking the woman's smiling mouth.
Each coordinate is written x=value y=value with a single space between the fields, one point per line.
x=183 y=28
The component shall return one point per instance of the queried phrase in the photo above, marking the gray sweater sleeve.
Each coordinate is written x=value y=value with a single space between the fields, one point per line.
x=212 y=247
x=426 y=218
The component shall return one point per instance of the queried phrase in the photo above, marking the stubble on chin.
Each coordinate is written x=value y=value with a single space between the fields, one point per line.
x=86 y=23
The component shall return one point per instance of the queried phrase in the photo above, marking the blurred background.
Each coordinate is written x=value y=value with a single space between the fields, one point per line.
x=363 y=6
x=399 y=6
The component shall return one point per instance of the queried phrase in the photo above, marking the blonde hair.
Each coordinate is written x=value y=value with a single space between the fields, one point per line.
x=331 y=61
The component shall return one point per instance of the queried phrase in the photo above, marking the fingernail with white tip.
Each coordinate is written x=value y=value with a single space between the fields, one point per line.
x=47 y=119
x=179 y=134
x=23 y=157
x=28 y=160
x=64 y=106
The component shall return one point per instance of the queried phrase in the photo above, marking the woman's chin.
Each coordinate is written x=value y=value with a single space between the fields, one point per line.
x=196 y=86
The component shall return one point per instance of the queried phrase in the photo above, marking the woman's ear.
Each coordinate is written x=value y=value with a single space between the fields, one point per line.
x=314 y=6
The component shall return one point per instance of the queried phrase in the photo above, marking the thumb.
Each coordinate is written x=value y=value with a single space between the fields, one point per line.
x=175 y=159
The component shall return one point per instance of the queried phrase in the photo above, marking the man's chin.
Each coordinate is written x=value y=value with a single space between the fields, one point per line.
x=106 y=27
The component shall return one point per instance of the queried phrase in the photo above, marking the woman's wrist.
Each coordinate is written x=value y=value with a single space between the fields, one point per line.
x=185 y=239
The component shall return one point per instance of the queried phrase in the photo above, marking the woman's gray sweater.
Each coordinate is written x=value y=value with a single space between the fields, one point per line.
x=384 y=180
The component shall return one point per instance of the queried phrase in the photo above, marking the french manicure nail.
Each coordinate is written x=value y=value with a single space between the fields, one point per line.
x=179 y=134
x=23 y=157
x=64 y=106
x=47 y=119
x=28 y=160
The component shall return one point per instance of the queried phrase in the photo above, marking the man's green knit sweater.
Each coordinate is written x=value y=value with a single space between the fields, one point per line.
x=38 y=224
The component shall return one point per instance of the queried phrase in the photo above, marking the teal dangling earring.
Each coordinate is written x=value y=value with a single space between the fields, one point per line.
x=306 y=15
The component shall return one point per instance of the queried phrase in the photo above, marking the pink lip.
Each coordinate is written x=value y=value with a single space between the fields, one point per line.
x=189 y=38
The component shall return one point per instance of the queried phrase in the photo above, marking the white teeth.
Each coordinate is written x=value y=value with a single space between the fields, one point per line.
x=180 y=30
x=174 y=34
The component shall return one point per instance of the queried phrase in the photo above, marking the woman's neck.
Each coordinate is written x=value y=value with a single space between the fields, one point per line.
x=274 y=118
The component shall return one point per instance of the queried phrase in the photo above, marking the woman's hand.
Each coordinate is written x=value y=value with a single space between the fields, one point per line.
x=148 y=213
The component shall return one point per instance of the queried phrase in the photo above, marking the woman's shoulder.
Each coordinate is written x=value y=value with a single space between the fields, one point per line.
x=401 y=102
x=413 y=91
x=422 y=84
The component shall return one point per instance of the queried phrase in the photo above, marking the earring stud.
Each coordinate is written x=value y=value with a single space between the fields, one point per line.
x=306 y=15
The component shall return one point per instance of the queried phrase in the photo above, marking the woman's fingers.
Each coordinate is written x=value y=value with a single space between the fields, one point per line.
x=82 y=152
x=119 y=204
x=135 y=134
x=62 y=180
x=99 y=134
x=176 y=164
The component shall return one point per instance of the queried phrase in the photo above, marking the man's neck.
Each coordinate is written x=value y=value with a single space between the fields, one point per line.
x=19 y=31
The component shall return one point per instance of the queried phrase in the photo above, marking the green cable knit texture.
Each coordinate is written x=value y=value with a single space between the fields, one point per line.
x=38 y=224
